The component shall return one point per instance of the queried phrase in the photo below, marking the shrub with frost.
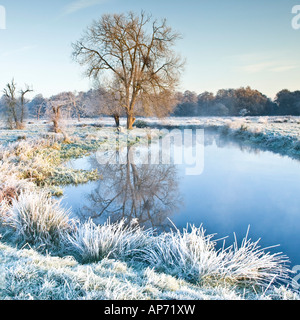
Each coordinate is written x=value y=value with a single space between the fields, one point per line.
x=92 y=243
x=263 y=120
x=186 y=255
x=193 y=256
x=38 y=219
x=190 y=255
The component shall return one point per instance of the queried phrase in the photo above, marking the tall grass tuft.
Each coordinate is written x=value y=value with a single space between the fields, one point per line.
x=37 y=219
x=92 y=243
x=193 y=256
x=187 y=255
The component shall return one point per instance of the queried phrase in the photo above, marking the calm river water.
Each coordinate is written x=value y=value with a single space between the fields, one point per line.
x=237 y=187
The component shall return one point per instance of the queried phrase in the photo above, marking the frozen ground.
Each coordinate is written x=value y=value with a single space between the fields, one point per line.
x=284 y=126
x=29 y=158
x=269 y=126
x=27 y=275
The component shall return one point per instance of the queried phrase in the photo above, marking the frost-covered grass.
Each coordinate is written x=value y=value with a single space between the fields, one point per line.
x=35 y=218
x=116 y=261
x=41 y=156
x=27 y=275
x=91 y=242
x=192 y=255
x=188 y=259
x=279 y=134
x=40 y=162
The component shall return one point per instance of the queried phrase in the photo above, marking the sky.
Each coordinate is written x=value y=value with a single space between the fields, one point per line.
x=226 y=43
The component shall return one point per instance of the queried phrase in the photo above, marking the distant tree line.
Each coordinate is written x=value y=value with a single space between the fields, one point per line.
x=237 y=102
x=15 y=108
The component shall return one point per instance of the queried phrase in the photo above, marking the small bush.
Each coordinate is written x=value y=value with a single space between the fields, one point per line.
x=8 y=193
x=92 y=243
x=244 y=128
x=192 y=255
x=140 y=124
x=37 y=219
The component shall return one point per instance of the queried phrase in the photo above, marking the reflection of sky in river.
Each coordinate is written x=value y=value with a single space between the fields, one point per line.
x=237 y=188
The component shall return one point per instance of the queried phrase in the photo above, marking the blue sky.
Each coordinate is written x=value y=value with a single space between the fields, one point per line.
x=226 y=43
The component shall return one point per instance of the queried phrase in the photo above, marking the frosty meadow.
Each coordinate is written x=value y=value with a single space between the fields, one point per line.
x=181 y=264
x=149 y=155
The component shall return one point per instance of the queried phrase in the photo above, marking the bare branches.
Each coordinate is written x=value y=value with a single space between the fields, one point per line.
x=56 y=104
x=135 y=50
x=15 y=105
x=23 y=101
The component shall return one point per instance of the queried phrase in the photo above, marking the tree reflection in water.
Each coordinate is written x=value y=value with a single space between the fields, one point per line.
x=147 y=194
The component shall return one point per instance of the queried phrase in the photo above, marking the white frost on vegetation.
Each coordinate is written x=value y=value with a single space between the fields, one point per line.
x=175 y=264
x=38 y=219
x=115 y=261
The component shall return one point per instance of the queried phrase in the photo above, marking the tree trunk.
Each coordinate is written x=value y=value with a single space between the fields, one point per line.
x=39 y=110
x=19 y=125
x=117 y=120
x=22 y=112
x=14 y=113
x=130 y=121
x=56 y=126
x=56 y=119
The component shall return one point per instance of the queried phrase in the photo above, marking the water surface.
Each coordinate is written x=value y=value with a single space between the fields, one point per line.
x=239 y=187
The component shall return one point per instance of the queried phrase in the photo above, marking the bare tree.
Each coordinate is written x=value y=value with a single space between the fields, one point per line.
x=15 y=105
x=37 y=106
x=23 y=102
x=55 y=107
x=111 y=106
x=11 y=104
x=76 y=104
x=137 y=52
x=108 y=101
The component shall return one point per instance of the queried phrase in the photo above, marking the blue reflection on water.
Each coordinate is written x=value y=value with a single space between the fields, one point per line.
x=239 y=187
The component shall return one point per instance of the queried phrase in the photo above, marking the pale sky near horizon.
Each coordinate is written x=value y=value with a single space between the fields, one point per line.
x=226 y=43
